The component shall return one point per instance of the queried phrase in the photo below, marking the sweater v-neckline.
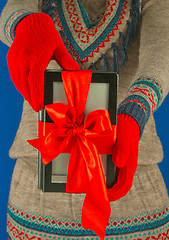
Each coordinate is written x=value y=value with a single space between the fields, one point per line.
x=84 y=39
x=90 y=22
x=90 y=39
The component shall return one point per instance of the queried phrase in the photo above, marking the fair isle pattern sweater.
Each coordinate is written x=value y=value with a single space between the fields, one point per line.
x=103 y=41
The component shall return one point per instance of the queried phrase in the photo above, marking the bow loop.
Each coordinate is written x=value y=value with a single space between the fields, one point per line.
x=98 y=121
x=57 y=113
x=70 y=117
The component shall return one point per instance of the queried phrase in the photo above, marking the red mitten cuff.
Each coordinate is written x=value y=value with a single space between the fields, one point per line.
x=35 y=21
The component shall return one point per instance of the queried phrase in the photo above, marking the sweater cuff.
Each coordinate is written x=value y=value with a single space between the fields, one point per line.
x=136 y=112
x=143 y=98
x=11 y=23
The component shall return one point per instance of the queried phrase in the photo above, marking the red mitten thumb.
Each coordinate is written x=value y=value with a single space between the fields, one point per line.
x=128 y=133
x=125 y=156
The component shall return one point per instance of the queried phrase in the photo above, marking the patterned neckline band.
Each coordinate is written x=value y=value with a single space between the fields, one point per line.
x=89 y=39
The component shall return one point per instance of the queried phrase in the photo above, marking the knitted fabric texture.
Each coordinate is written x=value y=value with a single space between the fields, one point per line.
x=143 y=98
x=12 y=22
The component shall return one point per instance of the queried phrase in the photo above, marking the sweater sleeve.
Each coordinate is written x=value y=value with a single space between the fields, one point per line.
x=13 y=12
x=151 y=83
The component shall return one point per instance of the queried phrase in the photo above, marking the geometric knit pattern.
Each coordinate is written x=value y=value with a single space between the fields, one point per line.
x=150 y=89
x=142 y=99
x=149 y=222
x=11 y=23
x=89 y=39
x=19 y=233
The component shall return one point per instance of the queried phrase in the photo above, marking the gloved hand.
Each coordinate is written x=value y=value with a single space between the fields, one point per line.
x=36 y=43
x=125 y=155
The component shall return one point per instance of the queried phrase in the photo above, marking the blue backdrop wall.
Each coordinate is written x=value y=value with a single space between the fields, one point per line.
x=10 y=113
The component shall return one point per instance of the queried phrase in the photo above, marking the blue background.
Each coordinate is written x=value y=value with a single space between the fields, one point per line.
x=10 y=114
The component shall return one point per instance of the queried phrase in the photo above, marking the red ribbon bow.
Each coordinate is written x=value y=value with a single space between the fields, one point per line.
x=85 y=141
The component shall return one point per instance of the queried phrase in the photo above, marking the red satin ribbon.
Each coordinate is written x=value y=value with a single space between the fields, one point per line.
x=84 y=141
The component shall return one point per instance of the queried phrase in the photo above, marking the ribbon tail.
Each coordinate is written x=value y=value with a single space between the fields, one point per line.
x=95 y=211
x=36 y=143
x=96 y=206
x=77 y=177
x=50 y=149
x=60 y=148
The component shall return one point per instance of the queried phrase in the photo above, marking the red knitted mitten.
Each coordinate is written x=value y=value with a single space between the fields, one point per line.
x=36 y=43
x=125 y=155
